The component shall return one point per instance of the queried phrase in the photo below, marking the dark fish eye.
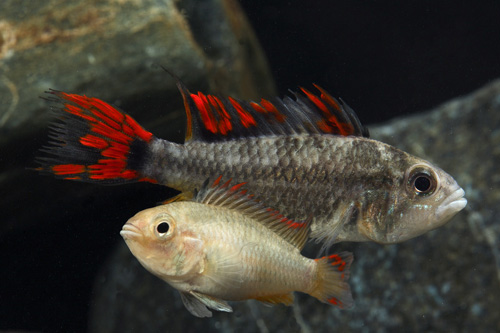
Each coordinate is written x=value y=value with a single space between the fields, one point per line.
x=423 y=183
x=162 y=228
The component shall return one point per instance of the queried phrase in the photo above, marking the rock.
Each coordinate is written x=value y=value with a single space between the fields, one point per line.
x=112 y=49
x=55 y=234
x=445 y=280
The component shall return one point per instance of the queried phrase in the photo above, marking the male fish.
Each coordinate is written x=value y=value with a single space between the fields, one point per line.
x=225 y=246
x=307 y=156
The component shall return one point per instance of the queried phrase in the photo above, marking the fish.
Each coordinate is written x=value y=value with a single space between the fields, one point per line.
x=224 y=245
x=305 y=155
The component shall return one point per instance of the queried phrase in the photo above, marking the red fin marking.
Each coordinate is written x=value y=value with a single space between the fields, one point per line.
x=328 y=98
x=237 y=187
x=246 y=118
x=111 y=168
x=224 y=124
x=315 y=100
x=94 y=141
x=222 y=107
x=104 y=117
x=335 y=260
x=204 y=113
x=272 y=109
x=217 y=181
x=323 y=126
x=332 y=119
x=102 y=110
x=99 y=138
x=209 y=113
x=68 y=169
x=258 y=108
x=78 y=112
x=332 y=286
x=149 y=180
x=331 y=123
x=117 y=151
x=137 y=129
x=220 y=119
x=109 y=110
x=335 y=301
x=296 y=225
x=107 y=131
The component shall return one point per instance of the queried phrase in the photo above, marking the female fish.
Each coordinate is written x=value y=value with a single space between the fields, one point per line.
x=225 y=246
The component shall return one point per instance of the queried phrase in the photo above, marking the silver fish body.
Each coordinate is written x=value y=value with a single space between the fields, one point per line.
x=355 y=188
x=308 y=157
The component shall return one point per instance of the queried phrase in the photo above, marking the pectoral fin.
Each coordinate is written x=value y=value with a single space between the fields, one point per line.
x=198 y=304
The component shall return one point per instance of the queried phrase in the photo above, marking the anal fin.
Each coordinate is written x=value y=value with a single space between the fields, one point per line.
x=286 y=299
x=199 y=304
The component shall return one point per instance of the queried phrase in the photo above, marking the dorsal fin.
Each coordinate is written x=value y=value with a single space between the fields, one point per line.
x=234 y=197
x=213 y=118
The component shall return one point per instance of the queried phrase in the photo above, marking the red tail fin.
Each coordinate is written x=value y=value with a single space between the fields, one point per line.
x=331 y=285
x=94 y=142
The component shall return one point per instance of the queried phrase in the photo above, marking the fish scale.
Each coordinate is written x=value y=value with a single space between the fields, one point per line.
x=279 y=177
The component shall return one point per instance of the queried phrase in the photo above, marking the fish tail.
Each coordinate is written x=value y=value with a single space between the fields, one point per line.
x=94 y=141
x=331 y=284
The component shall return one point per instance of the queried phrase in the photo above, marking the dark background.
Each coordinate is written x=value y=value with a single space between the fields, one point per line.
x=385 y=59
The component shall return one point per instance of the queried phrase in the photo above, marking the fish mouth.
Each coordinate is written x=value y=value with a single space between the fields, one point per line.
x=130 y=231
x=454 y=203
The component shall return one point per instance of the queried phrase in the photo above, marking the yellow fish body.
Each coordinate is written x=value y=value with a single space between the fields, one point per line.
x=225 y=246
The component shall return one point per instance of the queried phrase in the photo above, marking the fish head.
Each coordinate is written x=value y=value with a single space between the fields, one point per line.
x=421 y=197
x=160 y=241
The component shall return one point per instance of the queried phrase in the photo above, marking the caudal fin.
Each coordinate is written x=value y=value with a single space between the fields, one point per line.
x=332 y=286
x=94 y=142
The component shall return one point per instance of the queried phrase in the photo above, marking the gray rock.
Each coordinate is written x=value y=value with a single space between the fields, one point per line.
x=445 y=280
x=110 y=49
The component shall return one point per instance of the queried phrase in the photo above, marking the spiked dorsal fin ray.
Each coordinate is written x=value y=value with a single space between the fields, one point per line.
x=234 y=197
x=213 y=118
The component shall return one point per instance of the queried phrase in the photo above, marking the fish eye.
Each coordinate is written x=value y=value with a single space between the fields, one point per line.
x=162 y=228
x=422 y=181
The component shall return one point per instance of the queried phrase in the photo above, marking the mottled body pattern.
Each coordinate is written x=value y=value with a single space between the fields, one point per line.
x=306 y=157
x=331 y=178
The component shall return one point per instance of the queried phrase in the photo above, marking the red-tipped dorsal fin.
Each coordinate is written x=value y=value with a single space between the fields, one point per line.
x=212 y=118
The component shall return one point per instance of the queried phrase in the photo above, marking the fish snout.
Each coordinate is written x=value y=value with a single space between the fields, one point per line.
x=454 y=203
x=130 y=231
